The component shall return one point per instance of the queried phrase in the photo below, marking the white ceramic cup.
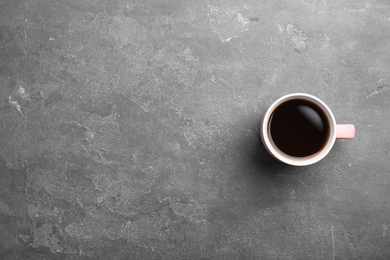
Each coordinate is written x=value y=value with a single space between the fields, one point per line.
x=345 y=131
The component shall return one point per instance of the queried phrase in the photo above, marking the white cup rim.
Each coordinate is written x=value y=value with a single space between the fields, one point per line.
x=297 y=161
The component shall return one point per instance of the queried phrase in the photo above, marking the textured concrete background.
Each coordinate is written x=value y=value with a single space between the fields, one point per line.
x=130 y=129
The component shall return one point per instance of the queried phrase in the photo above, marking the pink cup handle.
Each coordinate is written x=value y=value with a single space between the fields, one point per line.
x=345 y=131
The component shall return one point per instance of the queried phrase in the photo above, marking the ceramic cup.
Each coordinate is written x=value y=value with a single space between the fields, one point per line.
x=336 y=131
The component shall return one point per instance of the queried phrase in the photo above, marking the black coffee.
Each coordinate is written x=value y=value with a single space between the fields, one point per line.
x=299 y=128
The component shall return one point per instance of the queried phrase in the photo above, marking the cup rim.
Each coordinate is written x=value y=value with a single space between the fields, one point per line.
x=297 y=161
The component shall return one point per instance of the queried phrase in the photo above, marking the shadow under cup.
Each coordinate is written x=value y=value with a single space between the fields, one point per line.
x=298 y=129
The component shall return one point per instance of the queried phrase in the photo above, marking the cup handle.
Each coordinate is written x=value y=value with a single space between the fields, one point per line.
x=346 y=131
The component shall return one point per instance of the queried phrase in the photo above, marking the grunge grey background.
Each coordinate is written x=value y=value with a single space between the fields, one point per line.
x=130 y=129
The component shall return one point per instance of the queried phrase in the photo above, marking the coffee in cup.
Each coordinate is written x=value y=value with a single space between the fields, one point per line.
x=299 y=129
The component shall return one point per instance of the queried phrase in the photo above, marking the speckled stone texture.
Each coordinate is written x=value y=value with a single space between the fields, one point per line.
x=130 y=129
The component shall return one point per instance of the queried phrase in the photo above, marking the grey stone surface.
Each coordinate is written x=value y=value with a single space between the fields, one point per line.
x=130 y=129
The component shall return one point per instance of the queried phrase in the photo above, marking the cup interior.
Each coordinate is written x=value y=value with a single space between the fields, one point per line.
x=298 y=161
